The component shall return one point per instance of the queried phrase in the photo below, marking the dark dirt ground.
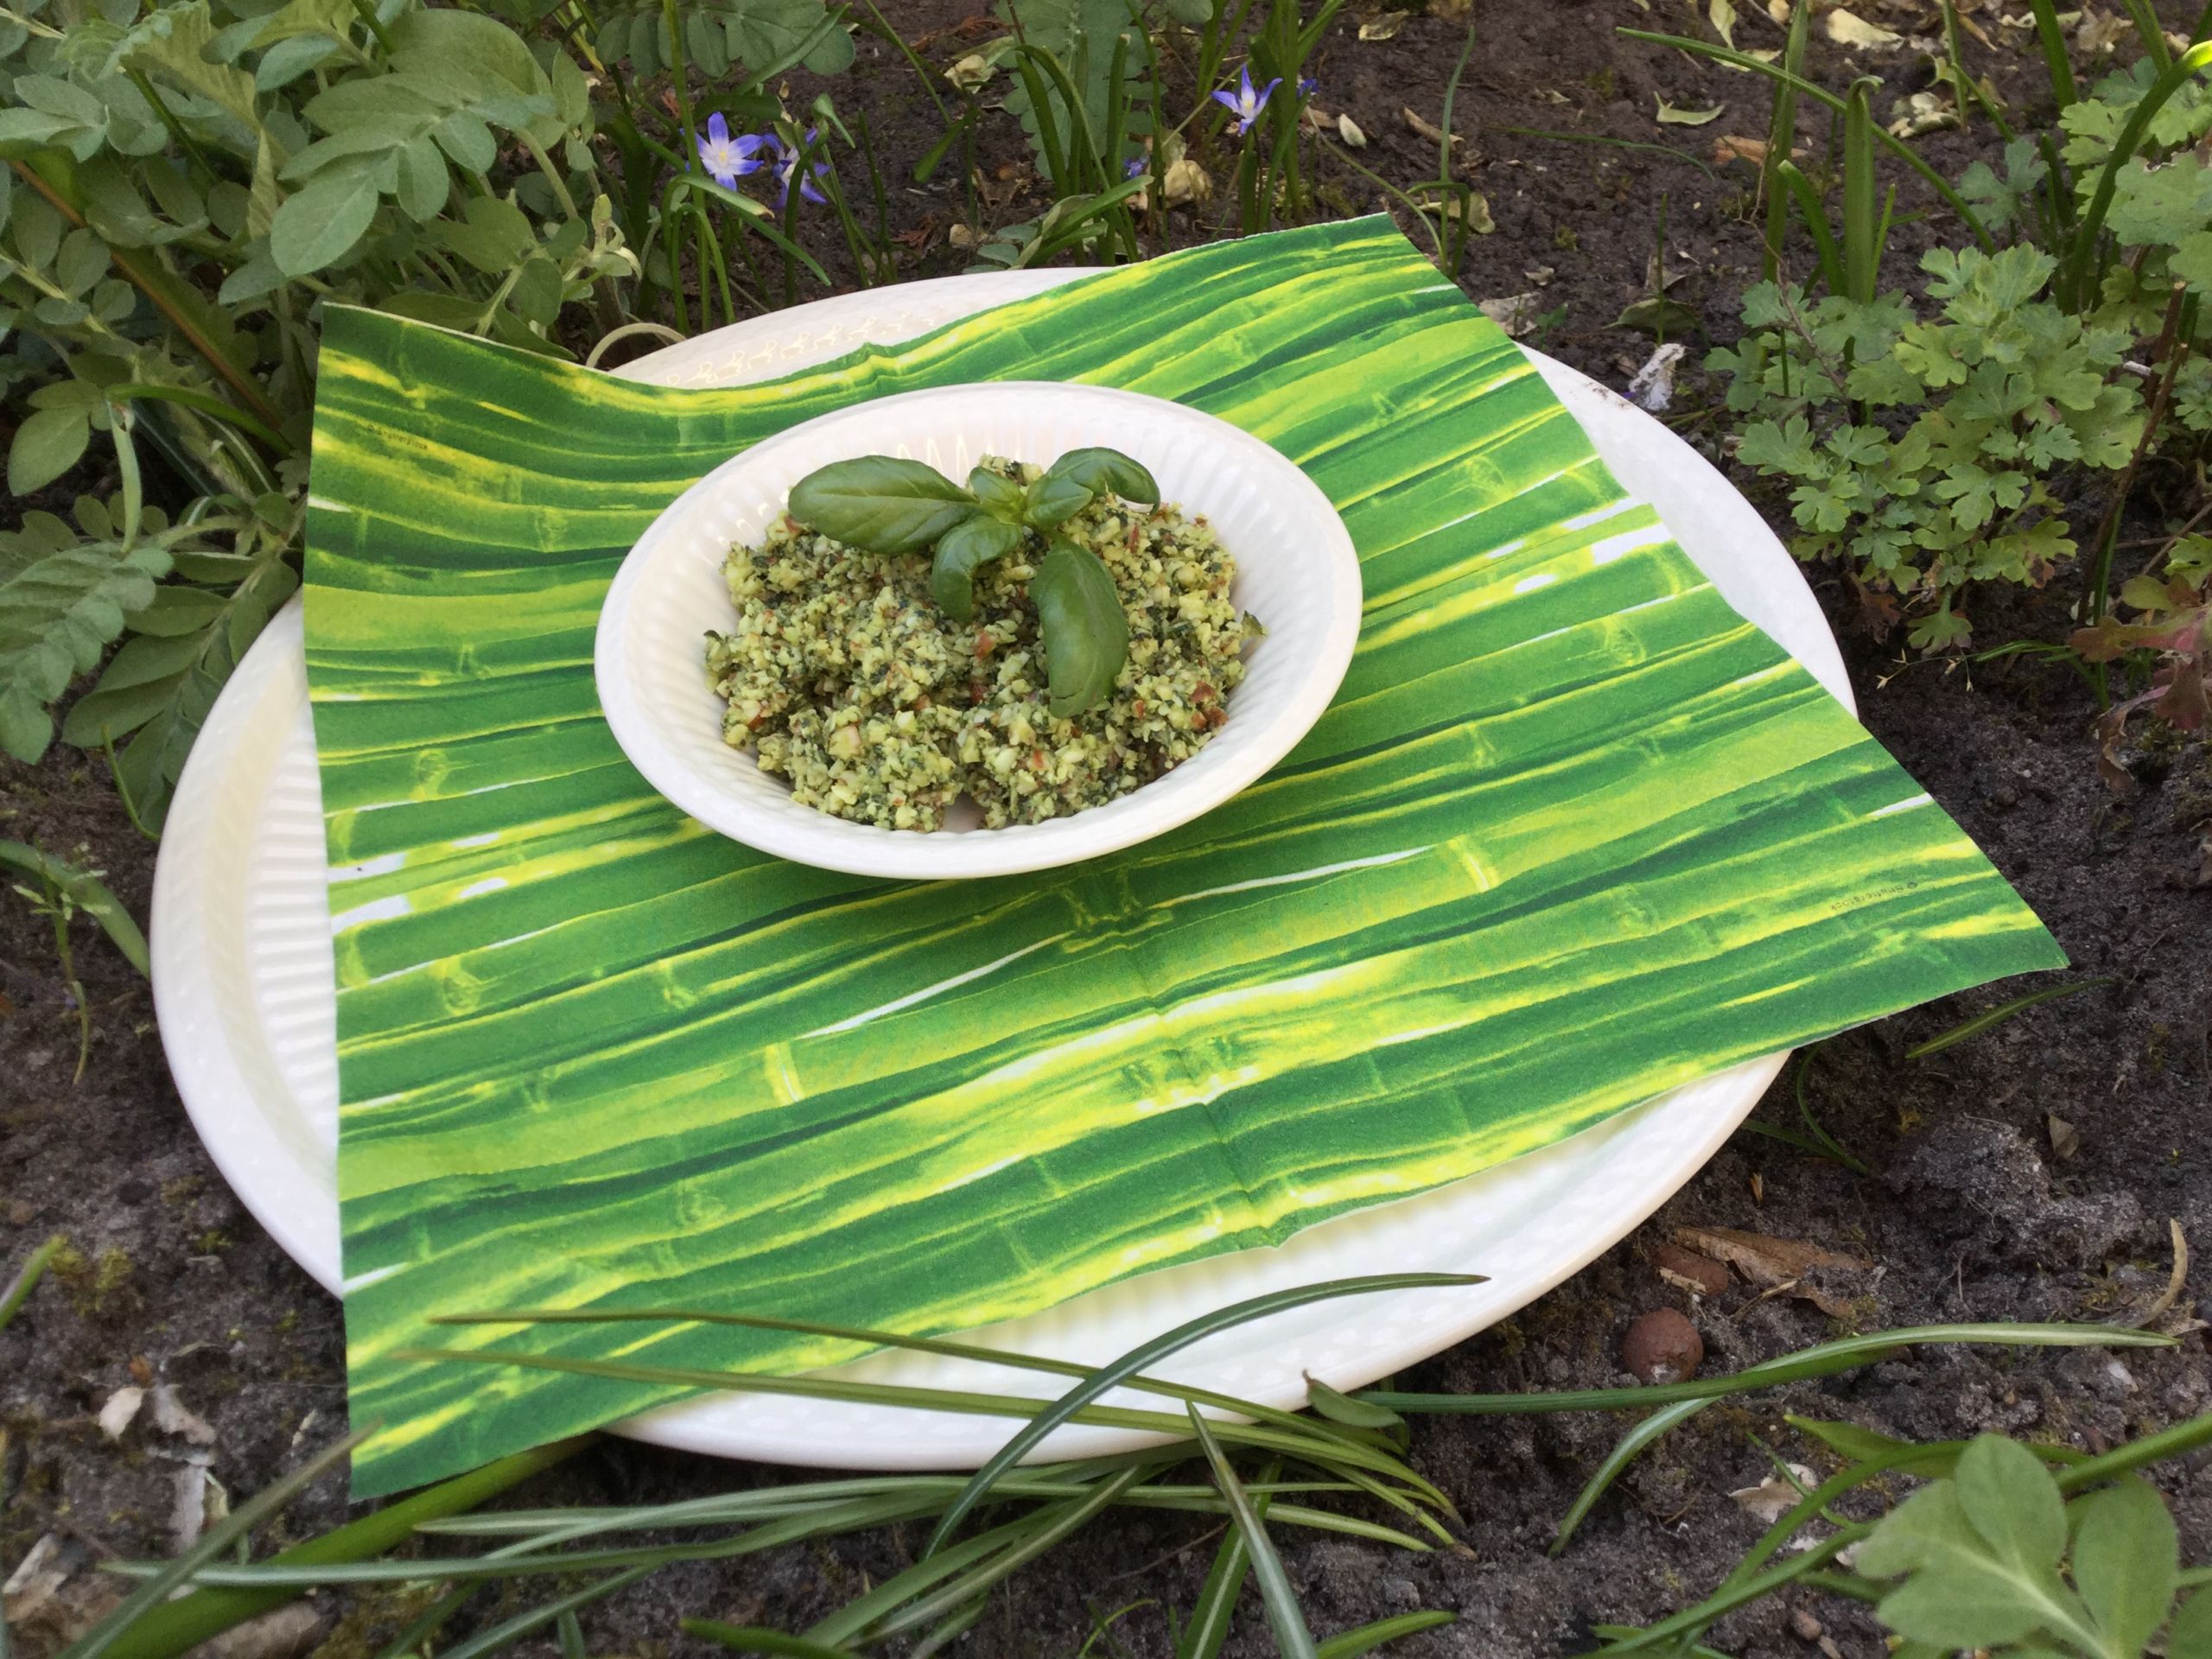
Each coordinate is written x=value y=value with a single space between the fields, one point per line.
x=1972 y=1213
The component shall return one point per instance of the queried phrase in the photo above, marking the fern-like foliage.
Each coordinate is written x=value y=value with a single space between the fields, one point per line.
x=766 y=37
x=64 y=593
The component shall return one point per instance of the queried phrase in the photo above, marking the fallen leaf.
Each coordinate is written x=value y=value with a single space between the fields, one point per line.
x=918 y=238
x=142 y=1373
x=1672 y=117
x=1516 y=313
x=1758 y=1181
x=281 y=1633
x=2099 y=35
x=1849 y=29
x=1657 y=315
x=1774 y=1498
x=1185 y=181
x=41 y=1572
x=1472 y=208
x=2172 y=1293
x=1778 y=10
x=1734 y=147
x=1428 y=130
x=960 y=236
x=188 y=1511
x=122 y=1405
x=1922 y=112
x=1383 y=25
x=1348 y=129
x=2064 y=1141
x=1723 y=16
x=172 y=1416
x=1765 y=1260
x=1687 y=1270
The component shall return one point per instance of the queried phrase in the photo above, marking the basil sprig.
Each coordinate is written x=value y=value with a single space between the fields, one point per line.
x=889 y=505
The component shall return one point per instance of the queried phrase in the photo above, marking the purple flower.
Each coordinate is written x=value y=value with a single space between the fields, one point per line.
x=726 y=158
x=1244 y=102
x=1134 y=166
x=1308 y=87
x=785 y=160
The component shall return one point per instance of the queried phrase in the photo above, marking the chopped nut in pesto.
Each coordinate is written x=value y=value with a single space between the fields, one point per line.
x=844 y=676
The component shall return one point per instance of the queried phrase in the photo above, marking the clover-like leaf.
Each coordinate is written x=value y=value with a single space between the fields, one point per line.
x=1085 y=633
x=960 y=552
x=886 y=504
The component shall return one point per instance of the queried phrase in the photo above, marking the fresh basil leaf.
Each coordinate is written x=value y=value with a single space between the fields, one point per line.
x=1053 y=500
x=968 y=545
x=883 y=503
x=1002 y=497
x=1086 y=634
x=1106 y=471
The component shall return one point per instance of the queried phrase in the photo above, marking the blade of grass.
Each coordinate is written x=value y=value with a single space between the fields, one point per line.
x=1823 y=1360
x=1619 y=1458
x=2078 y=276
x=1807 y=201
x=1113 y=1374
x=948 y=1629
x=1896 y=145
x=2057 y=63
x=1691 y=1619
x=506 y=1630
x=1781 y=139
x=745 y=1638
x=1051 y=1526
x=553 y=1526
x=871 y=1337
x=2173 y=1442
x=2154 y=37
x=1303 y=1444
x=25 y=1281
x=177 y=1626
x=1666 y=151
x=1208 y=1627
x=1861 y=254
x=571 y=1636
x=1349 y=1644
x=216 y=1541
x=1293 y=1639
x=1997 y=1016
x=432 y=1620
x=857 y=1615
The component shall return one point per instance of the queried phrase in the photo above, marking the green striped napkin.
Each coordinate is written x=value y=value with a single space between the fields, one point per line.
x=1571 y=834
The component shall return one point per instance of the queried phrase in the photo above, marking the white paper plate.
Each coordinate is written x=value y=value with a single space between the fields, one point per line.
x=243 y=987
x=1296 y=570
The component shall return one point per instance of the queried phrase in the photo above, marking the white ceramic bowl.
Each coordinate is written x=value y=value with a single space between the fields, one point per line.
x=1296 y=571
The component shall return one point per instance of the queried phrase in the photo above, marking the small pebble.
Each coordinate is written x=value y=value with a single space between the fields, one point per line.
x=1662 y=1346
x=1803 y=1622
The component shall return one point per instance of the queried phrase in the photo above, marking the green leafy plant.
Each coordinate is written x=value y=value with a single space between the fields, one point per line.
x=1994 y=1557
x=889 y=505
x=1920 y=448
x=62 y=890
x=188 y=184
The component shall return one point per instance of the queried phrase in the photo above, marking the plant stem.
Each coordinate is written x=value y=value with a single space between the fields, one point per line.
x=2172 y=348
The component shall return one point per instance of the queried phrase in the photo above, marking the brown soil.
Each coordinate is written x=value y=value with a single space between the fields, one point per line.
x=1973 y=1213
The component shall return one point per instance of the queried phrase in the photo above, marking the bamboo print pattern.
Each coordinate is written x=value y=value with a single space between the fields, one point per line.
x=1571 y=834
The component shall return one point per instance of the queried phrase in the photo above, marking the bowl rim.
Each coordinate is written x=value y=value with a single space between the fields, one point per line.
x=868 y=849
